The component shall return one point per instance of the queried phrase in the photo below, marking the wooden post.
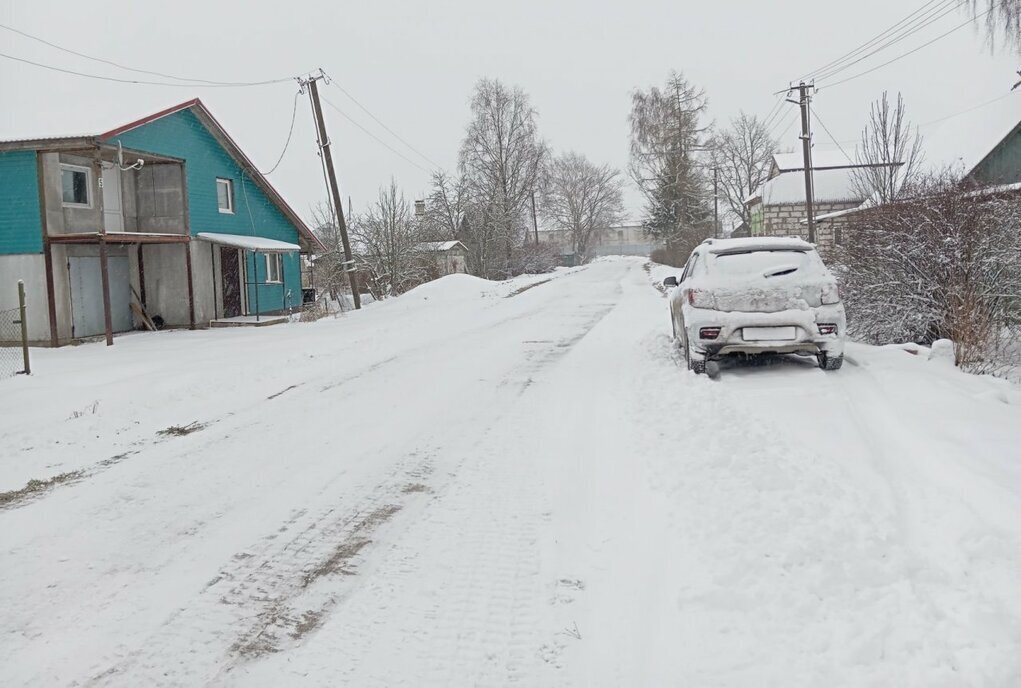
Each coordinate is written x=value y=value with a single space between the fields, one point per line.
x=51 y=299
x=191 y=289
x=104 y=271
x=255 y=269
x=104 y=266
x=324 y=146
x=806 y=150
x=24 y=327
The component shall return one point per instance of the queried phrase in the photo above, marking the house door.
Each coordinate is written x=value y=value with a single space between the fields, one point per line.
x=230 y=275
x=113 y=210
x=87 y=295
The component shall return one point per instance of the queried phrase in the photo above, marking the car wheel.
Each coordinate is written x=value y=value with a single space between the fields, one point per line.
x=827 y=362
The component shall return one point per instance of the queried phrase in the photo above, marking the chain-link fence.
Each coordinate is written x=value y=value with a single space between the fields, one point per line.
x=13 y=342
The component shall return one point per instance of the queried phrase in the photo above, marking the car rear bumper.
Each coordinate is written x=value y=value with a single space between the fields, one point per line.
x=805 y=323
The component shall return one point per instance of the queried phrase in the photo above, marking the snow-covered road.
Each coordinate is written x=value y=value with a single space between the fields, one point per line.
x=488 y=484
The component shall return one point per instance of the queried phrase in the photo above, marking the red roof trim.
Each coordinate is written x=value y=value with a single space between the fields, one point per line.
x=151 y=118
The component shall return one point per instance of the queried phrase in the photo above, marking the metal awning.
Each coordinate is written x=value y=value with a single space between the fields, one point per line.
x=249 y=243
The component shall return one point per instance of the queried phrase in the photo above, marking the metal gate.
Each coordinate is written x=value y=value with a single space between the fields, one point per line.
x=87 y=295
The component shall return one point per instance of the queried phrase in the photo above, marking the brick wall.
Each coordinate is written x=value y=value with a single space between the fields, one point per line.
x=786 y=221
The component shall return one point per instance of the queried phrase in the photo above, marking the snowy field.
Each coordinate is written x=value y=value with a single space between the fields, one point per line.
x=481 y=484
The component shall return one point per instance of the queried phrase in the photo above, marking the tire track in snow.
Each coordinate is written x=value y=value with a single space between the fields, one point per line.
x=272 y=593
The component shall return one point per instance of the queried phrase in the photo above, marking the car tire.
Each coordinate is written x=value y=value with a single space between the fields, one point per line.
x=827 y=362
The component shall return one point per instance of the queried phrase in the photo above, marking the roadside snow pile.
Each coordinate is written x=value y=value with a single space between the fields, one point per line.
x=456 y=286
x=942 y=351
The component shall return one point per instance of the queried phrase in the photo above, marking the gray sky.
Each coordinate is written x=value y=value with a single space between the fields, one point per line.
x=413 y=65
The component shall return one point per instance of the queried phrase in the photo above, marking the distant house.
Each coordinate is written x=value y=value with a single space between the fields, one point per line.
x=444 y=257
x=618 y=240
x=165 y=214
x=778 y=208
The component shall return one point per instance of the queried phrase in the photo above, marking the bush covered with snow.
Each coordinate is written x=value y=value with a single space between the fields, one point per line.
x=945 y=263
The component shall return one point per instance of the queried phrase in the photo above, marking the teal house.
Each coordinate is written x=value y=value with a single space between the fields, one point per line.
x=164 y=220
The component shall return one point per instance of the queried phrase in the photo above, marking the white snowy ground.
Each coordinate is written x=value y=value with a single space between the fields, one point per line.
x=461 y=487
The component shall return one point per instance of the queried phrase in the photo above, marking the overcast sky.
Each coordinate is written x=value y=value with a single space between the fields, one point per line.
x=413 y=65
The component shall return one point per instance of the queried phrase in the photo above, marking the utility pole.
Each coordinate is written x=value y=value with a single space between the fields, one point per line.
x=716 y=202
x=535 y=223
x=806 y=147
x=324 y=148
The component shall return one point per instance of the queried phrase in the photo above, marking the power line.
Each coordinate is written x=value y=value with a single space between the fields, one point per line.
x=913 y=51
x=376 y=138
x=818 y=119
x=132 y=69
x=910 y=18
x=789 y=125
x=287 y=143
x=906 y=33
x=144 y=82
x=378 y=121
x=971 y=109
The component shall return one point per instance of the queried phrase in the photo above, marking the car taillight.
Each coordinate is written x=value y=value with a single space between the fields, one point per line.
x=709 y=333
x=827 y=328
x=700 y=298
x=831 y=296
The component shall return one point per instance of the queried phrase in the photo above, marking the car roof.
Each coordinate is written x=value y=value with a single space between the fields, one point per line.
x=719 y=246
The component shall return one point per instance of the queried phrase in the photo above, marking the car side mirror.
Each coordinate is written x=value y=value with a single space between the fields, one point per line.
x=670 y=281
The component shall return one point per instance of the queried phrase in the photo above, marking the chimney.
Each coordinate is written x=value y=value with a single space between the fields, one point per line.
x=419 y=208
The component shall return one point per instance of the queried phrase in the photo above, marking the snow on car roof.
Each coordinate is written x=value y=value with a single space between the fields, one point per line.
x=758 y=244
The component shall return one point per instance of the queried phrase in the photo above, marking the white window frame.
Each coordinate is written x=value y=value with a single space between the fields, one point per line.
x=274 y=263
x=88 y=185
x=229 y=183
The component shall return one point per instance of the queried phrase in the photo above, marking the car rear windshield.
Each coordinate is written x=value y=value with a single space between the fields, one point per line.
x=757 y=262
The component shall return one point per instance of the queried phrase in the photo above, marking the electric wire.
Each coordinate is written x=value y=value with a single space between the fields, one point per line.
x=290 y=133
x=364 y=109
x=142 y=81
x=893 y=41
x=912 y=51
x=376 y=138
x=891 y=35
x=134 y=69
x=818 y=119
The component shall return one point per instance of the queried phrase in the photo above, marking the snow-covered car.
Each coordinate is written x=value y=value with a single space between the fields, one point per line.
x=754 y=296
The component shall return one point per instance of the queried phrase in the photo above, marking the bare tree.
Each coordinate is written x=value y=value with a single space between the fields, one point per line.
x=890 y=153
x=329 y=265
x=582 y=198
x=501 y=161
x=1002 y=19
x=446 y=208
x=667 y=139
x=387 y=243
x=742 y=154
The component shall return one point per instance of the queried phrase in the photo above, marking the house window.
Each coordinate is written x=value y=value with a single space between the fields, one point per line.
x=225 y=195
x=75 y=182
x=274 y=268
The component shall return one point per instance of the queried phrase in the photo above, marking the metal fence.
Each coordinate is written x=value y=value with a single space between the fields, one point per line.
x=14 y=339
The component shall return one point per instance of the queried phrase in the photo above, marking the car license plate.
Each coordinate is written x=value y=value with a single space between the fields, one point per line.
x=768 y=334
